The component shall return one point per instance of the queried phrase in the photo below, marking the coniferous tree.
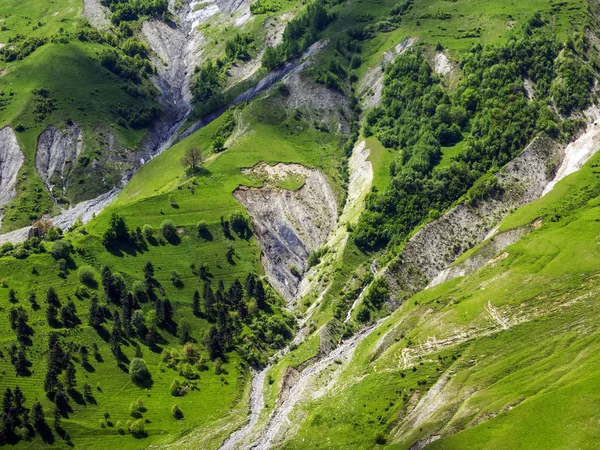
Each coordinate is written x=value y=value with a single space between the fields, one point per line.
x=261 y=297
x=95 y=314
x=37 y=416
x=236 y=294
x=70 y=377
x=168 y=311
x=251 y=285
x=51 y=313
x=52 y=297
x=160 y=311
x=209 y=301
x=19 y=400
x=196 y=303
x=51 y=380
x=84 y=355
x=213 y=344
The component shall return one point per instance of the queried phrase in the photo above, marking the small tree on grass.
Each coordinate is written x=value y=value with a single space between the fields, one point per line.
x=218 y=144
x=193 y=160
x=139 y=371
x=168 y=230
x=177 y=412
x=87 y=276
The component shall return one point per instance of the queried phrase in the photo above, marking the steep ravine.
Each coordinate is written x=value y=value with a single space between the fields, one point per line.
x=430 y=251
x=289 y=224
x=56 y=153
x=360 y=180
x=11 y=160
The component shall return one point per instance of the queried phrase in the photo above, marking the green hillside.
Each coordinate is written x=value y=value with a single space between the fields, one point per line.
x=147 y=324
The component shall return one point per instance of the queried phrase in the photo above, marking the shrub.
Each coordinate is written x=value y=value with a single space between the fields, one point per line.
x=364 y=315
x=175 y=278
x=87 y=276
x=168 y=230
x=175 y=388
x=148 y=231
x=61 y=249
x=240 y=224
x=137 y=408
x=296 y=271
x=136 y=428
x=139 y=371
x=177 y=413
x=54 y=234
x=202 y=228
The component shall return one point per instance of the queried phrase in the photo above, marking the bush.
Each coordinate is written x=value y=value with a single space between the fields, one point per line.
x=137 y=408
x=296 y=271
x=87 y=276
x=175 y=388
x=177 y=413
x=136 y=428
x=364 y=315
x=148 y=231
x=202 y=228
x=139 y=371
x=61 y=249
x=168 y=230
x=175 y=278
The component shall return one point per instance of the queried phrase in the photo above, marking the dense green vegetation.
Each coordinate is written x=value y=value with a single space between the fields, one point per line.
x=489 y=109
x=39 y=87
x=132 y=10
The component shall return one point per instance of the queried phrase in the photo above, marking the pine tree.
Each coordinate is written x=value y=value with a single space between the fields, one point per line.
x=236 y=293
x=251 y=285
x=160 y=311
x=196 y=303
x=95 y=314
x=51 y=313
x=51 y=380
x=168 y=311
x=84 y=354
x=37 y=416
x=52 y=298
x=261 y=297
x=127 y=312
x=19 y=400
x=148 y=271
x=213 y=344
x=209 y=301
x=70 y=377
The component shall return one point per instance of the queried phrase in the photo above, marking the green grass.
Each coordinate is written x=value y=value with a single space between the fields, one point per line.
x=84 y=91
x=534 y=377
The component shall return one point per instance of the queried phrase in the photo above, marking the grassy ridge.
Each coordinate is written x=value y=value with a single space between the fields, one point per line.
x=536 y=368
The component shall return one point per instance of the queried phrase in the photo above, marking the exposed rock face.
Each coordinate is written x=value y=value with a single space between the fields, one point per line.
x=318 y=102
x=57 y=152
x=11 y=160
x=441 y=64
x=290 y=224
x=371 y=86
x=441 y=242
x=96 y=13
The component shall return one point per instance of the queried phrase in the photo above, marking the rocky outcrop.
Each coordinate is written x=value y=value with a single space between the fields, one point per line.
x=96 y=13
x=57 y=152
x=441 y=242
x=441 y=64
x=11 y=160
x=290 y=224
x=371 y=86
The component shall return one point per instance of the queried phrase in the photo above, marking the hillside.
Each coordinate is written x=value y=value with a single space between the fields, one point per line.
x=280 y=224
